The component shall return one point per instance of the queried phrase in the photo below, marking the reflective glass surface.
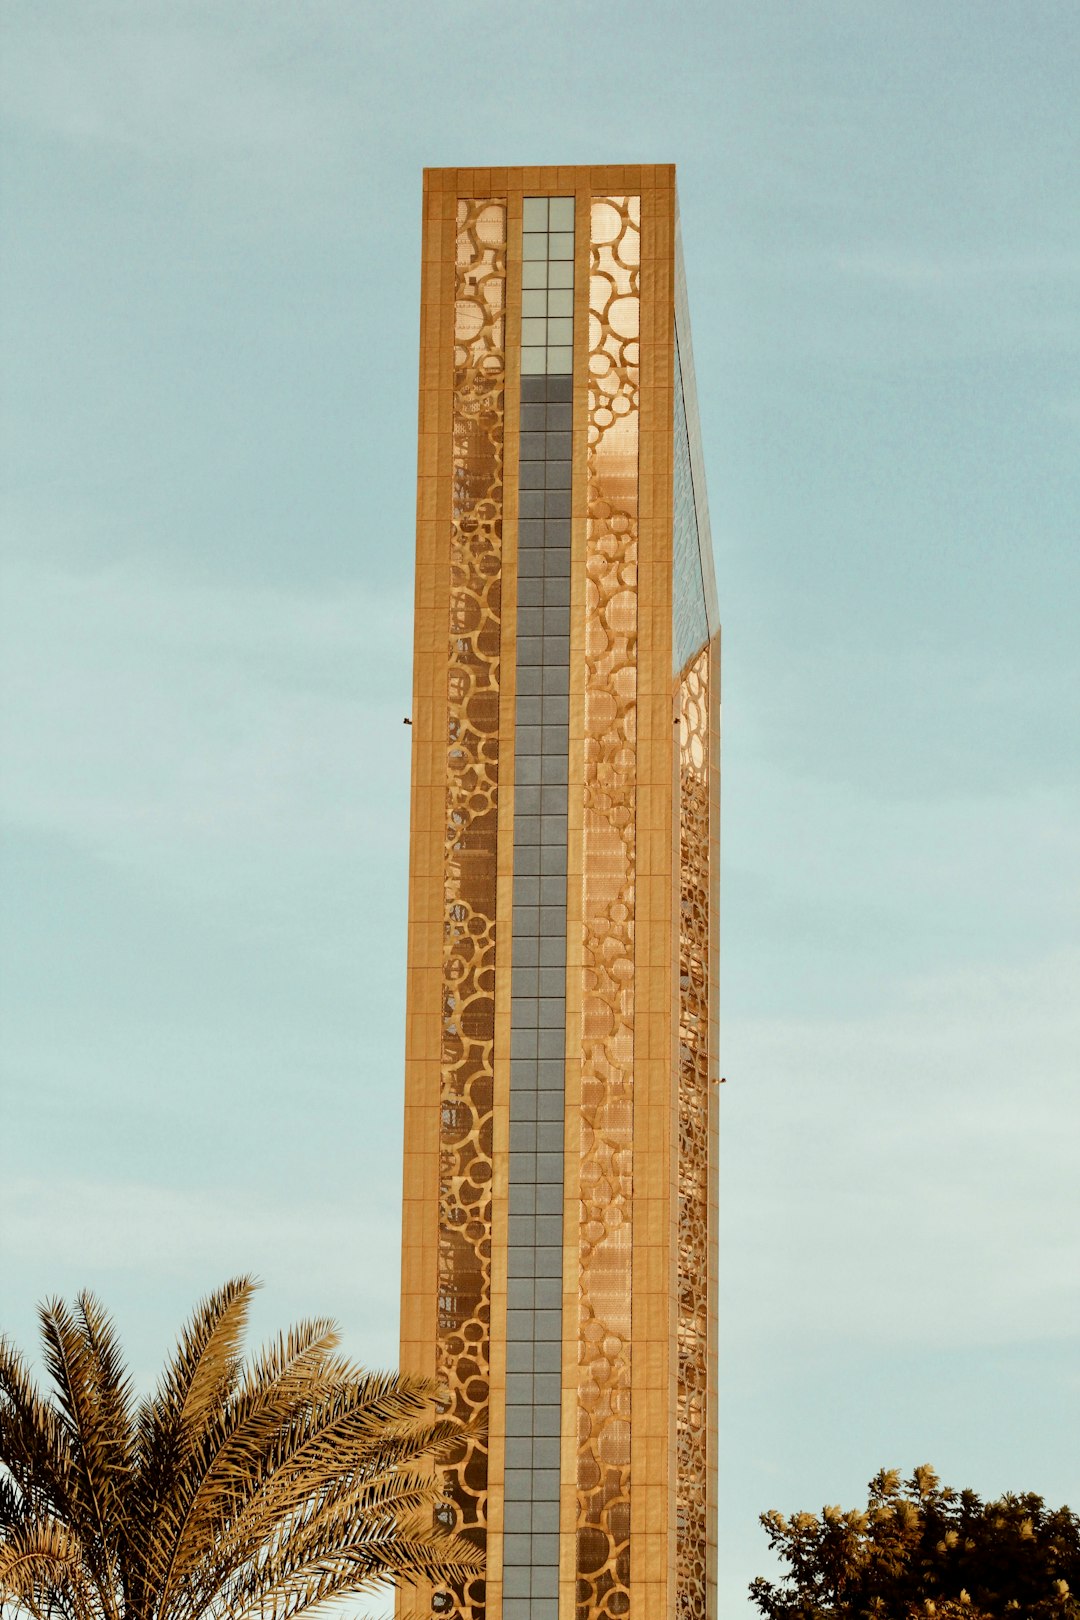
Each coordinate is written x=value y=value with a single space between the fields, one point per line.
x=530 y=1547
x=691 y=624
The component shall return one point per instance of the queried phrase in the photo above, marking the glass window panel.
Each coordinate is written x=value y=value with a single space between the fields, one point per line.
x=561 y=213
x=537 y=1023
x=691 y=624
x=534 y=214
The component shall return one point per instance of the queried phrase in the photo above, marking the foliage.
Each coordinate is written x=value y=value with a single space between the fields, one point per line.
x=236 y=1489
x=920 y=1549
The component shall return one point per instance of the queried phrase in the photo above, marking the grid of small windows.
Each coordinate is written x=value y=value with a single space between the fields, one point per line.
x=538 y=1007
x=691 y=620
x=547 y=286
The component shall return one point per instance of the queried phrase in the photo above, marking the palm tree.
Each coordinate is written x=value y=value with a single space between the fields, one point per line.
x=234 y=1490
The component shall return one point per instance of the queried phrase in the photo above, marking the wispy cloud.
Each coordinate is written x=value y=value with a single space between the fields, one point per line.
x=143 y=1227
x=146 y=712
x=165 y=85
x=149 y=1249
x=960 y=271
x=908 y=1176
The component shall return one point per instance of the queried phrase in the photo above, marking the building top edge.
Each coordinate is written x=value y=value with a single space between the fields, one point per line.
x=550 y=177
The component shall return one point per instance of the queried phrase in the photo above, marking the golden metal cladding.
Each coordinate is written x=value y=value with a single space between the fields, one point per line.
x=608 y=860
x=470 y=863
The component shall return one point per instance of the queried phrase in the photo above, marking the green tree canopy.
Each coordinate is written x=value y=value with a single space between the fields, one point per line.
x=239 y=1490
x=919 y=1549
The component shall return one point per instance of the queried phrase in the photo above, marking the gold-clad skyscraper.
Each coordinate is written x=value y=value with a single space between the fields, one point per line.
x=559 y=1249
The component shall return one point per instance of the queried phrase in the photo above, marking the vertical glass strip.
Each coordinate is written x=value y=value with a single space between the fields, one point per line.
x=538 y=993
x=690 y=626
x=692 y=1431
x=609 y=860
x=469 y=871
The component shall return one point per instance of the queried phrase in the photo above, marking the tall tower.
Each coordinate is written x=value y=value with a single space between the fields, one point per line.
x=559 y=1250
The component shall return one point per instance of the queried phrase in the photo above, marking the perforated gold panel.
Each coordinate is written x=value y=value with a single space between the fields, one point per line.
x=608 y=862
x=468 y=994
x=694 y=1076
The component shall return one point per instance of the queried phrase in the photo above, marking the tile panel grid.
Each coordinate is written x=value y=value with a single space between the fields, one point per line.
x=530 y=1544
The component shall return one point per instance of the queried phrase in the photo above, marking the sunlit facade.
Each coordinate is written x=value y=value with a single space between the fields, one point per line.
x=559 y=1249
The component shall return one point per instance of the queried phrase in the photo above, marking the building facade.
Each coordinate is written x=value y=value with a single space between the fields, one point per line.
x=559 y=1247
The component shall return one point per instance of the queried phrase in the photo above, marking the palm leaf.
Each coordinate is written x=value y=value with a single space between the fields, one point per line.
x=225 y=1463
x=94 y=1501
x=196 y=1382
x=38 y=1561
x=355 y=1428
x=34 y=1446
x=205 y=1365
x=233 y=1492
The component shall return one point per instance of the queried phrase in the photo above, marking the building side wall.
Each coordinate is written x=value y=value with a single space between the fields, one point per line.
x=696 y=1088
x=715 y=711
x=462 y=1293
x=423 y=1040
x=652 y=1528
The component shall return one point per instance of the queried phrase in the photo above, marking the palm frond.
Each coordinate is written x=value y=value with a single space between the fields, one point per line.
x=274 y=1549
x=41 y=1570
x=97 y=1472
x=302 y=1352
x=278 y=1529
x=13 y=1509
x=227 y=1461
x=109 y=1407
x=361 y=1430
x=285 y=1587
x=309 y=1506
x=366 y=1415
x=204 y=1367
x=232 y=1493
x=196 y=1382
x=34 y=1446
x=112 y=1382
x=115 y=1439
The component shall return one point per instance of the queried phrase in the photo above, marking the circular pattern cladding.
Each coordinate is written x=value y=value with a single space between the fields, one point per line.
x=469 y=873
x=692 y=1434
x=609 y=869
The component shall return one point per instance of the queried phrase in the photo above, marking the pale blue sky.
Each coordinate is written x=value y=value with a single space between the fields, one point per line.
x=209 y=329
